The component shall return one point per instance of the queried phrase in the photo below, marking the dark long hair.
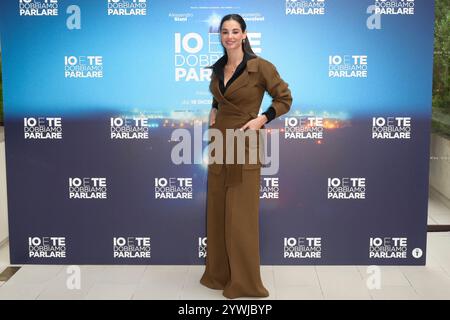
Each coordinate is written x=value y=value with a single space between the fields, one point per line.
x=236 y=17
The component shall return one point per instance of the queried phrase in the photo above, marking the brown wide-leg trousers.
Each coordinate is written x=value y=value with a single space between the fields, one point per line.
x=232 y=261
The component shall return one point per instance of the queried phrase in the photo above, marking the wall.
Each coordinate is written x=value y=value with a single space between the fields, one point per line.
x=440 y=167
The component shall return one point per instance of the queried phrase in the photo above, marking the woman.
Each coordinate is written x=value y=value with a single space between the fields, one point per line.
x=238 y=83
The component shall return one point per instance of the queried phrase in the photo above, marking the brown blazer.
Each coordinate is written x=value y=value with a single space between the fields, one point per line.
x=241 y=103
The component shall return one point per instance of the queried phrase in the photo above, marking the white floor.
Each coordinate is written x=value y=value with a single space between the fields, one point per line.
x=283 y=282
x=438 y=212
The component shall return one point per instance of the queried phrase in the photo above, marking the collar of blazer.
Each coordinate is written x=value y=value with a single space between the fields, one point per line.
x=241 y=81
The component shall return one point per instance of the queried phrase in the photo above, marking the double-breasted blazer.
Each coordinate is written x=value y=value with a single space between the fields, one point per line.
x=241 y=103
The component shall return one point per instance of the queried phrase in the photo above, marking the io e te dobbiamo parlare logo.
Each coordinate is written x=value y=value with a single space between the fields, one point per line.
x=38 y=7
x=391 y=128
x=87 y=188
x=394 y=7
x=190 y=58
x=47 y=247
x=347 y=66
x=127 y=7
x=304 y=128
x=42 y=128
x=202 y=247
x=193 y=53
x=83 y=66
x=131 y=247
x=305 y=7
x=173 y=188
x=123 y=128
x=346 y=188
x=388 y=247
x=302 y=247
x=269 y=189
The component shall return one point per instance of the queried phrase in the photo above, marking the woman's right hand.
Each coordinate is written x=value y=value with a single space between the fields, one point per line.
x=212 y=116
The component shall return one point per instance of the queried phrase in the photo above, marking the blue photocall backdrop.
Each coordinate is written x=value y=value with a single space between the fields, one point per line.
x=94 y=89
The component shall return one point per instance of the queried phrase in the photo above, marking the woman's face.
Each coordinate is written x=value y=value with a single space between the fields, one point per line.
x=231 y=35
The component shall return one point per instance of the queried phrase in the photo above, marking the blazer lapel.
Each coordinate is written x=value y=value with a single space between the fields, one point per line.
x=243 y=79
x=240 y=82
x=215 y=88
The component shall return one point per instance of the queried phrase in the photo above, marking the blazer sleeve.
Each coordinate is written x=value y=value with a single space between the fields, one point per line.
x=215 y=104
x=277 y=88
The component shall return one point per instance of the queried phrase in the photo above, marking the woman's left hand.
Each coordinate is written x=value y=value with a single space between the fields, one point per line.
x=256 y=123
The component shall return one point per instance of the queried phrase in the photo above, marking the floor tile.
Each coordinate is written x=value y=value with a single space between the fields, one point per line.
x=106 y=291
x=394 y=293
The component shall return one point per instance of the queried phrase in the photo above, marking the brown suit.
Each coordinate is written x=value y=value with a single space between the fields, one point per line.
x=232 y=261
